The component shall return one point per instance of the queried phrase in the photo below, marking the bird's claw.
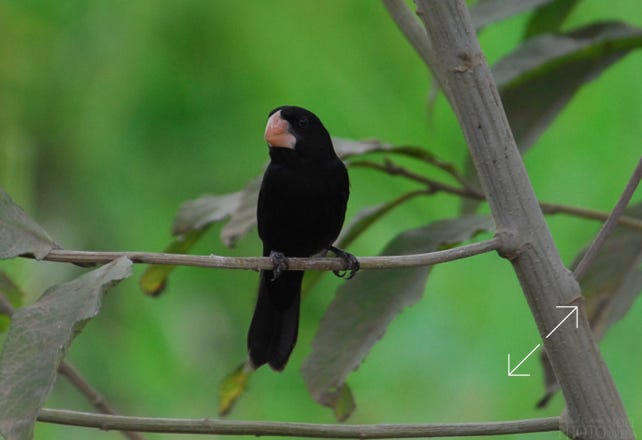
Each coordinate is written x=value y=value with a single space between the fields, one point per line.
x=352 y=265
x=279 y=264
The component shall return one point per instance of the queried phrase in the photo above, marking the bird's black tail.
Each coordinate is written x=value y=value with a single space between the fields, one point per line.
x=275 y=323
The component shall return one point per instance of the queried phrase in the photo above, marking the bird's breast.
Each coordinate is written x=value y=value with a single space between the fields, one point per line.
x=301 y=211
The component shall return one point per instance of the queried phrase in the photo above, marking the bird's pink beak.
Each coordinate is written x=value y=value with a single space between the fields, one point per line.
x=277 y=132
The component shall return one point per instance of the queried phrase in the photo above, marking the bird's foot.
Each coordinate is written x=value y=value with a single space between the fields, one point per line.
x=279 y=264
x=352 y=265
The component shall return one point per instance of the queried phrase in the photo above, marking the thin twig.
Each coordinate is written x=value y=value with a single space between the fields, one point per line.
x=255 y=428
x=261 y=263
x=393 y=169
x=389 y=167
x=435 y=161
x=610 y=223
x=77 y=380
x=92 y=395
x=590 y=214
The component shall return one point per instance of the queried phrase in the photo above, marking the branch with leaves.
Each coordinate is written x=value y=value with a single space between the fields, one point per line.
x=550 y=65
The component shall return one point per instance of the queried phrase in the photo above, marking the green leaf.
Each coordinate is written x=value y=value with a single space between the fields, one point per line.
x=343 y=403
x=485 y=12
x=20 y=235
x=549 y=18
x=364 y=306
x=38 y=338
x=609 y=287
x=232 y=387
x=11 y=293
x=538 y=79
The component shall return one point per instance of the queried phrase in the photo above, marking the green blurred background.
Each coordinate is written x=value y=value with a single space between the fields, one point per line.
x=113 y=113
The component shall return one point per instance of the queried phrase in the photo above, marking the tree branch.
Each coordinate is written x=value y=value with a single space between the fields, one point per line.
x=610 y=223
x=233 y=427
x=261 y=263
x=594 y=406
x=467 y=191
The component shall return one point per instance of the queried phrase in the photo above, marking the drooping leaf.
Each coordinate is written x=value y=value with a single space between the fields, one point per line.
x=232 y=388
x=201 y=212
x=364 y=306
x=538 y=79
x=12 y=294
x=485 y=12
x=609 y=287
x=38 y=338
x=238 y=207
x=343 y=404
x=549 y=17
x=243 y=218
x=542 y=75
x=154 y=279
x=193 y=219
x=19 y=234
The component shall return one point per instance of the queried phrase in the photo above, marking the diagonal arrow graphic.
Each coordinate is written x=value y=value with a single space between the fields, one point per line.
x=565 y=318
x=512 y=372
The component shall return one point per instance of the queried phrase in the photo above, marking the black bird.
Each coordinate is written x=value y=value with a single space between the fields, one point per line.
x=301 y=208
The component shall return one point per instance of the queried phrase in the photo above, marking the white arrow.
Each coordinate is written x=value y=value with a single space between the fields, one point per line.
x=565 y=318
x=574 y=310
x=512 y=372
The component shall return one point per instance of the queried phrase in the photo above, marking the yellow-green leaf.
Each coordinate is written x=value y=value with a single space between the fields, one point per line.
x=232 y=388
x=154 y=279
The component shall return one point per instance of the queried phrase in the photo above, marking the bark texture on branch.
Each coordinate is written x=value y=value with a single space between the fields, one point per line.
x=288 y=429
x=594 y=407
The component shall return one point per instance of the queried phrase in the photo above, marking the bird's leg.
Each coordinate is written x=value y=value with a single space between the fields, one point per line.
x=279 y=264
x=352 y=264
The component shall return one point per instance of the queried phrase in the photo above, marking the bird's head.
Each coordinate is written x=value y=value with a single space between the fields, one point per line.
x=295 y=131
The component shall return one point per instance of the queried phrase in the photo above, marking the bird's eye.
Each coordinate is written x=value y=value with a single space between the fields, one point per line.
x=303 y=122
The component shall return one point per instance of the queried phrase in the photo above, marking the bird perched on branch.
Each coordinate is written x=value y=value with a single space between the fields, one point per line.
x=301 y=208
